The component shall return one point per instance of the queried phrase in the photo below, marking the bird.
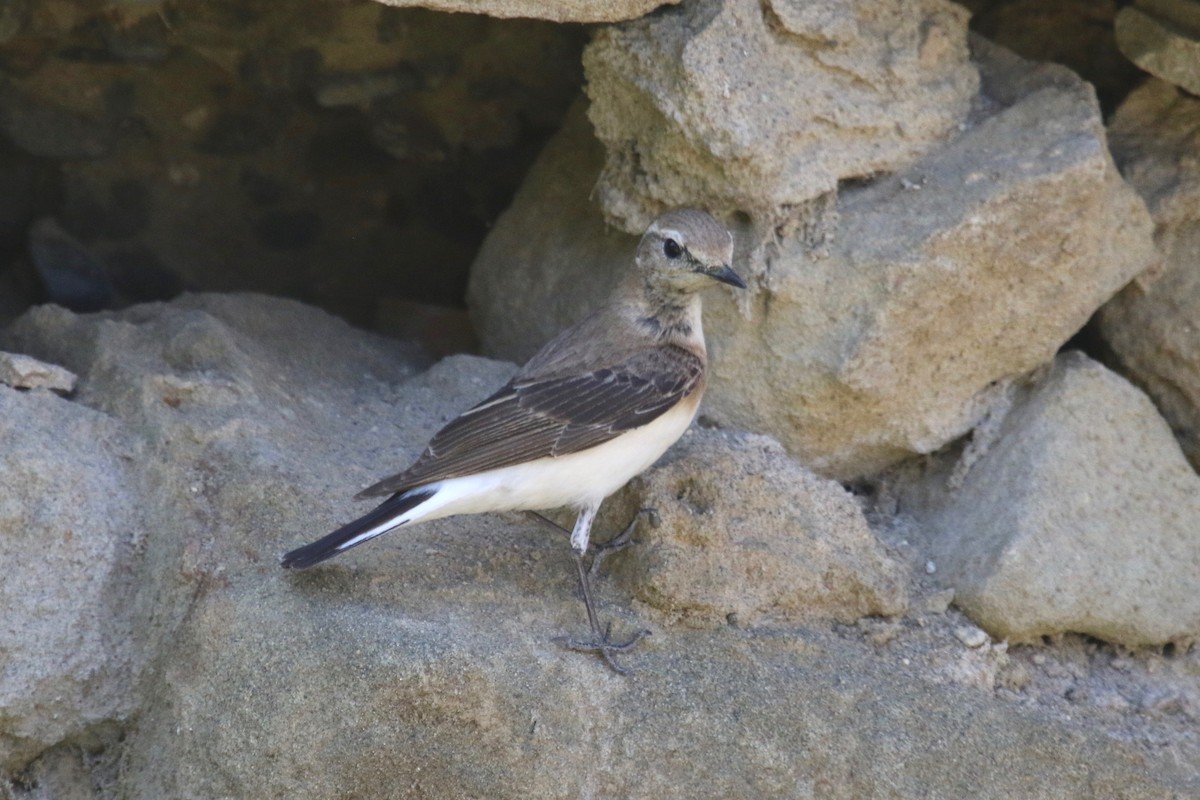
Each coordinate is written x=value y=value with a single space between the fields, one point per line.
x=597 y=405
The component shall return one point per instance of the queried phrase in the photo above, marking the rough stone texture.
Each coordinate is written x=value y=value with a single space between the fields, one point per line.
x=1153 y=326
x=68 y=530
x=174 y=391
x=555 y=10
x=759 y=107
x=1080 y=518
x=1163 y=38
x=345 y=689
x=343 y=153
x=971 y=267
x=63 y=773
x=70 y=275
x=22 y=372
x=749 y=536
x=423 y=664
x=1075 y=33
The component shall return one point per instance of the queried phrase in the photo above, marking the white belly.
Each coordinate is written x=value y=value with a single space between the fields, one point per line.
x=580 y=480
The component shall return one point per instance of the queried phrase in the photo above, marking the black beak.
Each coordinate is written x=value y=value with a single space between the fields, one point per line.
x=727 y=275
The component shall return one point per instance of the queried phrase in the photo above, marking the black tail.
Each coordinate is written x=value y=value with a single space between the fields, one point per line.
x=329 y=546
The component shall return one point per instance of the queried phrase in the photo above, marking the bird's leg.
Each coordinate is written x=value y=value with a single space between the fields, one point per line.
x=621 y=540
x=601 y=641
x=600 y=551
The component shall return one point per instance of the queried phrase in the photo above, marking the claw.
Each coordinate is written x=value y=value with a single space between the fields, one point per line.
x=605 y=647
x=601 y=641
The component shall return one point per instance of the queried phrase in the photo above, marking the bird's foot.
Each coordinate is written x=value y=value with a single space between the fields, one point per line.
x=604 y=646
x=586 y=565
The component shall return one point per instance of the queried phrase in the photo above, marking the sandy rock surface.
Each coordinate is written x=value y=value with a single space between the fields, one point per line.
x=424 y=665
x=1080 y=517
x=22 y=372
x=555 y=10
x=69 y=527
x=759 y=107
x=1163 y=38
x=748 y=536
x=940 y=284
x=1153 y=326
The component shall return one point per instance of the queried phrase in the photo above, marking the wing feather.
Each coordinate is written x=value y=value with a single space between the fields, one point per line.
x=532 y=418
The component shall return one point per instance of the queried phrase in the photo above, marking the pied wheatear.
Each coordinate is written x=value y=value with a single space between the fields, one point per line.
x=596 y=406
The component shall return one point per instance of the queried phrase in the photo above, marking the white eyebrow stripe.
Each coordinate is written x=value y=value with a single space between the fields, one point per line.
x=668 y=232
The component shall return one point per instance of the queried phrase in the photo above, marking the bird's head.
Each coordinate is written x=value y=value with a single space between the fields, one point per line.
x=685 y=250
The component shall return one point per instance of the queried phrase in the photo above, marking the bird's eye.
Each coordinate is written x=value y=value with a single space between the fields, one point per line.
x=672 y=249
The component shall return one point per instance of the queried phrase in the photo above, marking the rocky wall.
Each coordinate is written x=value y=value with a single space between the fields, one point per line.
x=933 y=535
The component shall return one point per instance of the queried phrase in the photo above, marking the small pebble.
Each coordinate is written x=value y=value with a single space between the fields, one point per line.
x=971 y=636
x=25 y=372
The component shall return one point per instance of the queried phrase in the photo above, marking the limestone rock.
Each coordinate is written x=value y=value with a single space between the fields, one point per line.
x=346 y=687
x=60 y=774
x=940 y=283
x=760 y=107
x=43 y=128
x=429 y=123
x=1153 y=326
x=70 y=274
x=423 y=664
x=68 y=531
x=1038 y=30
x=536 y=272
x=555 y=10
x=22 y=372
x=747 y=534
x=1163 y=38
x=1081 y=518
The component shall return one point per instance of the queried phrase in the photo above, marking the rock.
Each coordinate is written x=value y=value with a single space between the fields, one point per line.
x=747 y=534
x=971 y=636
x=43 y=128
x=22 y=372
x=69 y=528
x=1163 y=38
x=424 y=664
x=310 y=195
x=60 y=774
x=941 y=283
x=440 y=330
x=70 y=274
x=425 y=705
x=1081 y=518
x=360 y=90
x=760 y=107
x=153 y=361
x=560 y=264
x=88 y=594
x=555 y=10
x=1151 y=326
x=14 y=14
x=1075 y=33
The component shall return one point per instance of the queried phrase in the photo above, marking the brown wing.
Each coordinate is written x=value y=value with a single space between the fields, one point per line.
x=534 y=418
